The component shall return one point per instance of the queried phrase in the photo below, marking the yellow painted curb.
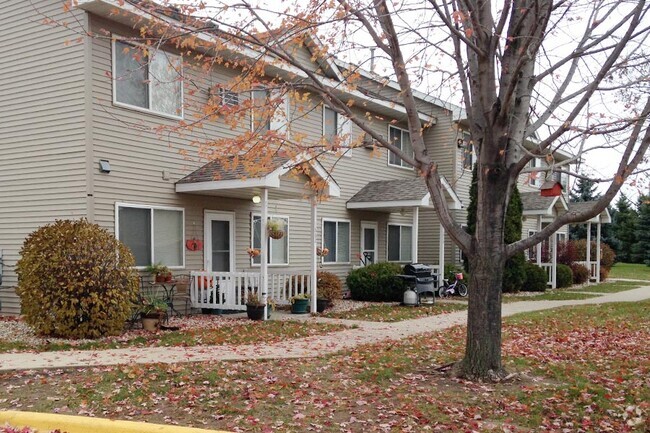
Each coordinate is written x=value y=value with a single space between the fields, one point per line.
x=46 y=422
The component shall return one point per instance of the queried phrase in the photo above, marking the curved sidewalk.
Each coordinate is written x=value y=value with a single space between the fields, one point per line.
x=367 y=332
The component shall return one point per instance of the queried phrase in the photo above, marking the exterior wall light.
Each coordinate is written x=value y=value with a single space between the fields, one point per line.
x=104 y=166
x=257 y=199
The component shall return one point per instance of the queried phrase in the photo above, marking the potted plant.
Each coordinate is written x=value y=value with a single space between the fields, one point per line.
x=160 y=272
x=152 y=311
x=254 y=306
x=329 y=288
x=300 y=304
x=275 y=228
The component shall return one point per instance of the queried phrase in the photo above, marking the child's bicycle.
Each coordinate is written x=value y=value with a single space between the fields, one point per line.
x=457 y=287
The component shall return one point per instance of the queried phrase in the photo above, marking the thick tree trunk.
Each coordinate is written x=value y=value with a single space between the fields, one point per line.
x=482 y=359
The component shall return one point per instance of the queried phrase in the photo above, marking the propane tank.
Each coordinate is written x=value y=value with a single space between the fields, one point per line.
x=410 y=297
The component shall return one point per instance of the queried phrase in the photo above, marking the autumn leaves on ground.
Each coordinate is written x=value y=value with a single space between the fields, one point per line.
x=581 y=369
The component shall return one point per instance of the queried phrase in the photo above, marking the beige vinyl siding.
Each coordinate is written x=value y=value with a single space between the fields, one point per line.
x=42 y=139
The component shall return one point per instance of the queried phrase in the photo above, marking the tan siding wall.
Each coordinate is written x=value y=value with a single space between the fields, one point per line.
x=42 y=169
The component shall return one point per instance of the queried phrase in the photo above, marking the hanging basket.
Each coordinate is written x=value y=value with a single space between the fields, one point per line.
x=276 y=234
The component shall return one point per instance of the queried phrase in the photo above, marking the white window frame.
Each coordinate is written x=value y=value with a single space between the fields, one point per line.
x=269 y=255
x=533 y=248
x=119 y=205
x=284 y=128
x=117 y=38
x=228 y=97
x=343 y=127
x=336 y=253
x=535 y=178
x=403 y=167
x=400 y=242
x=467 y=150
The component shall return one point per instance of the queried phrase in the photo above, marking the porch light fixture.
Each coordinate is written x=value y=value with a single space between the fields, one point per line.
x=104 y=166
x=257 y=199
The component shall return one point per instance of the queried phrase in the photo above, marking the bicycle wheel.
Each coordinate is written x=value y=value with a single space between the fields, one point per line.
x=442 y=292
x=462 y=290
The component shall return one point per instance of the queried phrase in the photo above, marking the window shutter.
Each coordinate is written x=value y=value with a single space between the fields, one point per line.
x=344 y=129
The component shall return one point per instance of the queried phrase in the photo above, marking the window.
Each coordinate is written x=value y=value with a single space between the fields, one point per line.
x=148 y=82
x=278 y=248
x=336 y=238
x=536 y=177
x=262 y=119
x=468 y=154
x=336 y=125
x=228 y=97
x=401 y=139
x=154 y=234
x=532 y=251
x=400 y=238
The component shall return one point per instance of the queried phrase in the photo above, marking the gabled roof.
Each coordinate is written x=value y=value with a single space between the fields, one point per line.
x=398 y=193
x=229 y=174
x=535 y=204
x=579 y=206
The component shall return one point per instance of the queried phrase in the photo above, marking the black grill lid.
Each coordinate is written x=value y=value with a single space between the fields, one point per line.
x=417 y=269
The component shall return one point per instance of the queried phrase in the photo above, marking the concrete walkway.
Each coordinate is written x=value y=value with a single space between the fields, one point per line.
x=365 y=333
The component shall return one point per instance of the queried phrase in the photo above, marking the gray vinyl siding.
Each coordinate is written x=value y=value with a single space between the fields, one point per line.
x=42 y=139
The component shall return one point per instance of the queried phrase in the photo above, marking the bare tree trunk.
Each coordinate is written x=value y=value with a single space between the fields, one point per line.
x=482 y=359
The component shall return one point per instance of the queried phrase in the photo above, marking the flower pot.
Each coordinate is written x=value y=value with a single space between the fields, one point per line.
x=255 y=312
x=323 y=304
x=151 y=322
x=300 y=306
x=276 y=234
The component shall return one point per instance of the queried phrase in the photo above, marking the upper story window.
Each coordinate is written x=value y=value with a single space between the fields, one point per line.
x=535 y=178
x=154 y=234
x=401 y=139
x=336 y=238
x=270 y=111
x=336 y=126
x=228 y=98
x=278 y=249
x=468 y=153
x=149 y=82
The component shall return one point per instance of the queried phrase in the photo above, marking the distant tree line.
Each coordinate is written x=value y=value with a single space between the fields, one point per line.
x=629 y=232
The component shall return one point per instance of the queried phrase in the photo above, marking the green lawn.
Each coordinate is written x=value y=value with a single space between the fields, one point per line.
x=581 y=369
x=610 y=287
x=236 y=332
x=396 y=313
x=551 y=295
x=632 y=271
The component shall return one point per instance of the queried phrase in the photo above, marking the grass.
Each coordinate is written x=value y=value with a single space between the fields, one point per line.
x=610 y=287
x=633 y=271
x=237 y=332
x=554 y=295
x=396 y=313
x=582 y=369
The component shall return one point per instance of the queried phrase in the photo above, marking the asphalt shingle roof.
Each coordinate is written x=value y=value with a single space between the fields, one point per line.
x=391 y=190
x=218 y=170
x=533 y=201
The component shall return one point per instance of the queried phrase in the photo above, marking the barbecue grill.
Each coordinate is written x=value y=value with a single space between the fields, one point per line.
x=421 y=279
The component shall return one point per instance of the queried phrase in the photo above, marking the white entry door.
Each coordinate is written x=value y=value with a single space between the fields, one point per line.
x=219 y=241
x=369 y=242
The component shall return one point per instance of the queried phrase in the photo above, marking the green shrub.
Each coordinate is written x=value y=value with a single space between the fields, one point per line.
x=580 y=273
x=76 y=280
x=377 y=282
x=563 y=276
x=514 y=274
x=536 y=278
x=329 y=286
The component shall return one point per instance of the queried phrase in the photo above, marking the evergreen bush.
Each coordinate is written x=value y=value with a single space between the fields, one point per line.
x=377 y=282
x=76 y=280
x=563 y=276
x=536 y=278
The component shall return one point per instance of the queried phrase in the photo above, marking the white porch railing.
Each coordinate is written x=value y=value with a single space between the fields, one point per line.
x=593 y=271
x=548 y=267
x=228 y=290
